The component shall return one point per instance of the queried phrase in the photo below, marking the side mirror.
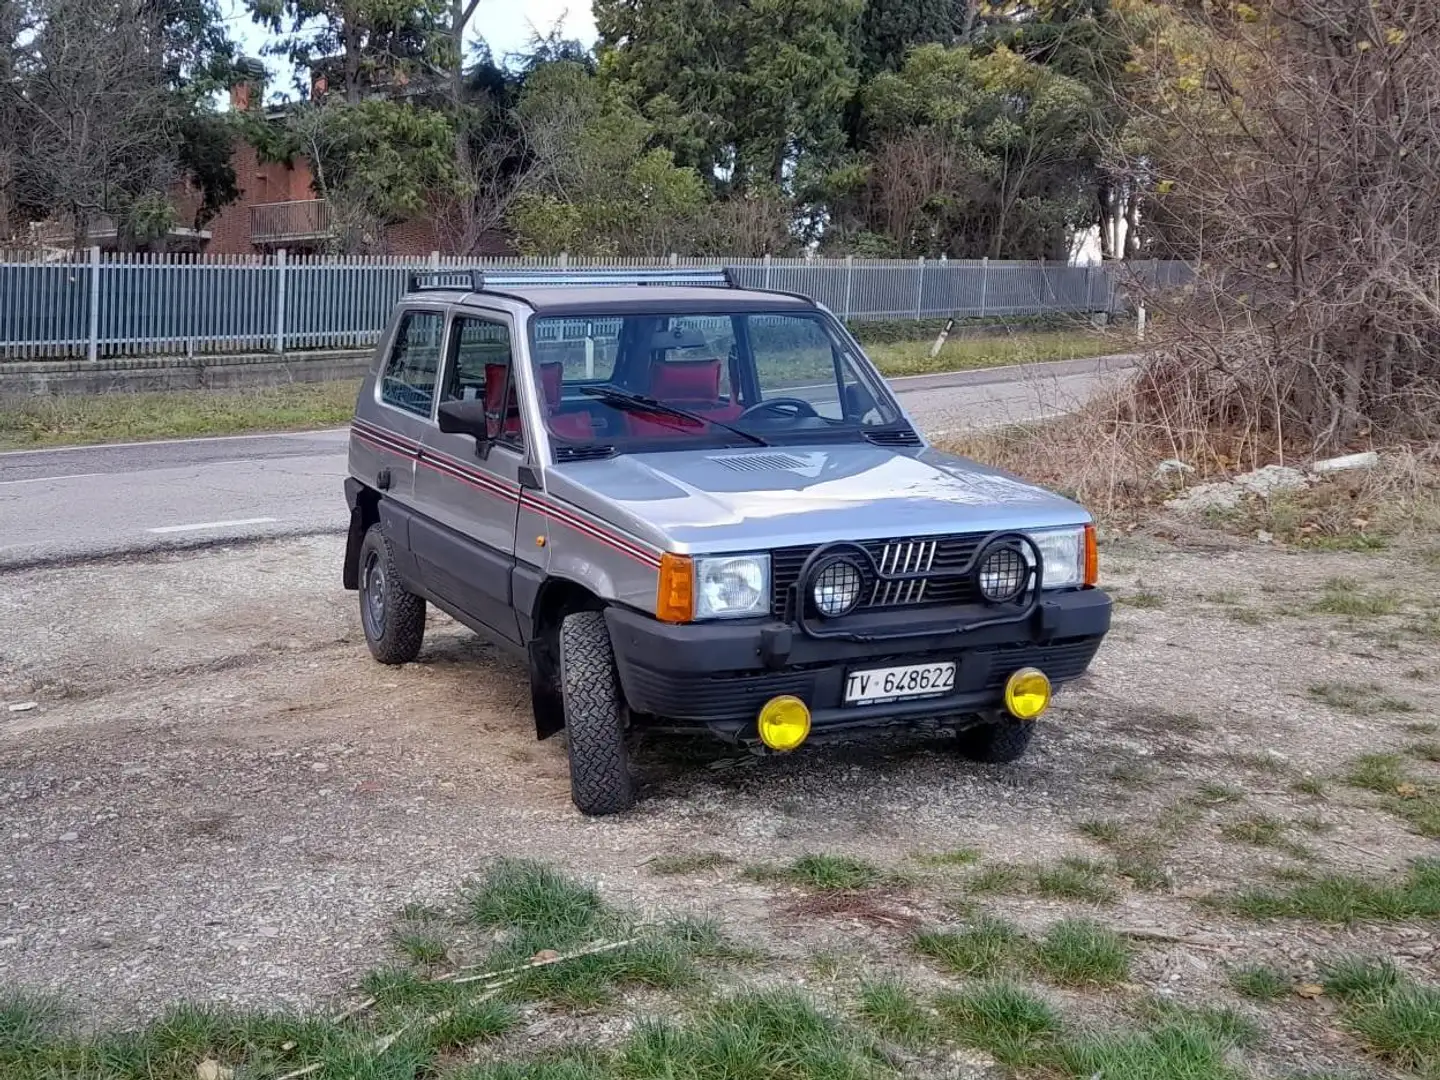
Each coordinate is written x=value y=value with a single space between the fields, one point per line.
x=467 y=418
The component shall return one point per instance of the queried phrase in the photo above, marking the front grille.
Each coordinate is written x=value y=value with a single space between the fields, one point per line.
x=1061 y=660
x=937 y=555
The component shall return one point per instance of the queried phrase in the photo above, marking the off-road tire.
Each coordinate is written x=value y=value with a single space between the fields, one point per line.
x=396 y=630
x=997 y=743
x=600 y=781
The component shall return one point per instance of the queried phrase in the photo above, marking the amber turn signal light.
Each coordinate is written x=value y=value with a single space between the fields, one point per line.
x=675 y=592
x=1092 y=558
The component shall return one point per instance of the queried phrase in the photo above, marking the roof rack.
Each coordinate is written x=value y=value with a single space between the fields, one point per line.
x=480 y=280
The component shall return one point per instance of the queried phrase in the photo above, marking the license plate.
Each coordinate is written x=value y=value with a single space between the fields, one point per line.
x=897 y=683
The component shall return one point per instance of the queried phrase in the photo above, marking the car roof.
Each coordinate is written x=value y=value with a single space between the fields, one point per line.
x=563 y=300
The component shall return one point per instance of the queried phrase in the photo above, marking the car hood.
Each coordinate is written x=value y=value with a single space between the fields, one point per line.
x=734 y=500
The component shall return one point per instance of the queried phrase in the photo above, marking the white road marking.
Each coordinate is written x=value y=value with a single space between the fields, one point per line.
x=58 y=476
x=212 y=525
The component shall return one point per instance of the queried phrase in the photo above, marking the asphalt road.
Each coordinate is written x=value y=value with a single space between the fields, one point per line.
x=102 y=501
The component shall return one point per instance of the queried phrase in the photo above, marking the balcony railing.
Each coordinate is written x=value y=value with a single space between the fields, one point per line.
x=279 y=223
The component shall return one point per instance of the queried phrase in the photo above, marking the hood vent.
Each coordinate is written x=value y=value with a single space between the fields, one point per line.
x=901 y=437
x=759 y=462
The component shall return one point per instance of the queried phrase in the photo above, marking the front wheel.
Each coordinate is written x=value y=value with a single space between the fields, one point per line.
x=996 y=743
x=393 y=617
x=600 y=781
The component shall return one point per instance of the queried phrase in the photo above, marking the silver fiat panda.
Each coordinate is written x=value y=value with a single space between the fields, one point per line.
x=696 y=507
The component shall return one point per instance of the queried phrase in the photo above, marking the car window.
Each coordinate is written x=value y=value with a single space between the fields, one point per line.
x=409 y=379
x=707 y=378
x=793 y=354
x=584 y=348
x=480 y=370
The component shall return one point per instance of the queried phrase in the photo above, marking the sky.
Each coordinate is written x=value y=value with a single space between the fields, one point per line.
x=505 y=24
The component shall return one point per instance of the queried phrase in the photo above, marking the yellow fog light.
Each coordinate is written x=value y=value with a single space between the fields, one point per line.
x=784 y=723
x=1027 y=693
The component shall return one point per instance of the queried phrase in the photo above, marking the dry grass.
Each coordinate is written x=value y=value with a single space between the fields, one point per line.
x=1106 y=456
x=71 y=420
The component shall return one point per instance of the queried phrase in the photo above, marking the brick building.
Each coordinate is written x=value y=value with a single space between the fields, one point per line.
x=278 y=208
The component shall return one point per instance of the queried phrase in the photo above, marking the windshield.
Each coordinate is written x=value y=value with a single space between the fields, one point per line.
x=663 y=381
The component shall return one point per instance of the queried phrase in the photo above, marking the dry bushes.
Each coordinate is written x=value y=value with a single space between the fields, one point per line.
x=1293 y=150
x=1118 y=462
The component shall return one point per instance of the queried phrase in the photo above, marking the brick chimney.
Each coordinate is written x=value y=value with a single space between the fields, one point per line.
x=249 y=85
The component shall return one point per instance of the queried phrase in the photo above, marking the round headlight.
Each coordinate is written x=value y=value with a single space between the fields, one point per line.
x=837 y=588
x=1002 y=575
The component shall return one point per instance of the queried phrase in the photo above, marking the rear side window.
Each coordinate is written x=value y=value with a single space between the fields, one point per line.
x=409 y=379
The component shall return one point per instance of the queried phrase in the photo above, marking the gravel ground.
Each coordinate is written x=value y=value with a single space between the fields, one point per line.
x=219 y=796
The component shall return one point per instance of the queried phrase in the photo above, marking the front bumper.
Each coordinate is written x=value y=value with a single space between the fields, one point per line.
x=717 y=675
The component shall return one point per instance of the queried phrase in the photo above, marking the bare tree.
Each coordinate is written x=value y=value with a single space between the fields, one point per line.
x=95 y=129
x=1297 y=153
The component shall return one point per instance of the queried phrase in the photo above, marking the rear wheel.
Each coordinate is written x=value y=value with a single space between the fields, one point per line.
x=996 y=743
x=393 y=617
x=600 y=781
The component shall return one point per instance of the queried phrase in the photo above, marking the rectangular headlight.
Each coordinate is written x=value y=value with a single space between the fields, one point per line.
x=731 y=586
x=1063 y=552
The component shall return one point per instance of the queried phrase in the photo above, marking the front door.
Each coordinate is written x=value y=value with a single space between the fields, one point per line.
x=469 y=496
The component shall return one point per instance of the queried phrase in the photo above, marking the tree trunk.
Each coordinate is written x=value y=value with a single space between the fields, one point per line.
x=352 y=63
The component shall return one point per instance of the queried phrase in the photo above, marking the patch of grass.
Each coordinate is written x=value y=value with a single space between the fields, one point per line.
x=965 y=856
x=1106 y=832
x=1345 y=596
x=966 y=353
x=561 y=1068
x=1259 y=761
x=1142 y=598
x=1222 y=1023
x=893 y=1010
x=1360 y=699
x=1383 y=773
x=825 y=872
x=1309 y=785
x=1425 y=751
x=1402 y=1027
x=1076 y=952
x=1259 y=982
x=997 y=879
x=28 y=1024
x=73 y=419
x=422 y=947
x=1074 y=878
x=538 y=909
x=1216 y=794
x=1142 y=869
x=1169 y=1052
x=1010 y=1023
x=986 y=949
x=533 y=897
x=1338 y=898
x=690 y=863
x=1133 y=774
x=1360 y=977
x=776 y=1033
x=1260 y=830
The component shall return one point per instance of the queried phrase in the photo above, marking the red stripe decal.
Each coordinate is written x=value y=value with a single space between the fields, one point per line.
x=382 y=444
x=479 y=481
x=595 y=531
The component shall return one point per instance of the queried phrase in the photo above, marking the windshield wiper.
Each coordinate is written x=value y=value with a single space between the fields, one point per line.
x=623 y=399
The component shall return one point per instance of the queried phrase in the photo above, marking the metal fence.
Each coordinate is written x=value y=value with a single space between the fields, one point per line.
x=96 y=305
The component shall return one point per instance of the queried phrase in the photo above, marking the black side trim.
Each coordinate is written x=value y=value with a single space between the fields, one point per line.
x=525 y=583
